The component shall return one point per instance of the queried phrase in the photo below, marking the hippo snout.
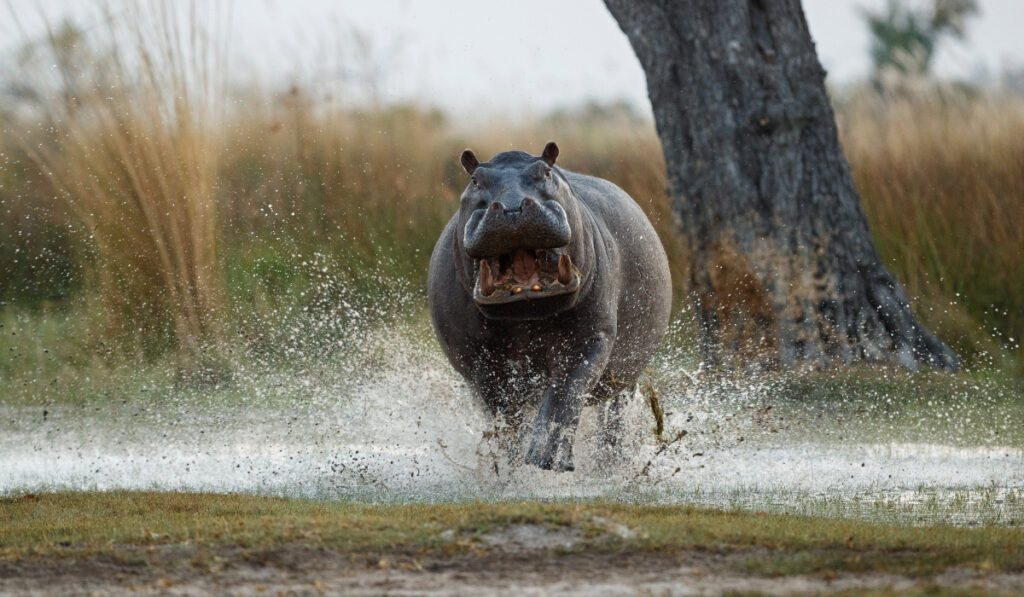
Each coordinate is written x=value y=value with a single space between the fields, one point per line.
x=502 y=227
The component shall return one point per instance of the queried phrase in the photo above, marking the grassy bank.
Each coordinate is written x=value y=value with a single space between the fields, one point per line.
x=125 y=524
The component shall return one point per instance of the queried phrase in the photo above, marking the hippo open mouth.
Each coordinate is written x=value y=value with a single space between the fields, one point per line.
x=526 y=274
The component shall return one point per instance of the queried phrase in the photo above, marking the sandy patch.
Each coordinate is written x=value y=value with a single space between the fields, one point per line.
x=519 y=560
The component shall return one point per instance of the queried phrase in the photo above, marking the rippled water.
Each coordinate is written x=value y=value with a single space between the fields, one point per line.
x=393 y=422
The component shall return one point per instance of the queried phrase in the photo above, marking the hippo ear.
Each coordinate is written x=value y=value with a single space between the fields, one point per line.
x=469 y=161
x=550 y=153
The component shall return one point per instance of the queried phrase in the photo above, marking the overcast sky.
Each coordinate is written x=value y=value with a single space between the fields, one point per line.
x=523 y=56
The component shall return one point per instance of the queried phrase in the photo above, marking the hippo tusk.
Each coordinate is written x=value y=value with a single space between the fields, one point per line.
x=486 y=280
x=564 y=269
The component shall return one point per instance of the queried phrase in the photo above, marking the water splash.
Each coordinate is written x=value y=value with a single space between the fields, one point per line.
x=377 y=414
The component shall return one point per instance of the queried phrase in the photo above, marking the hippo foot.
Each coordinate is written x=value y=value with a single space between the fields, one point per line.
x=551 y=450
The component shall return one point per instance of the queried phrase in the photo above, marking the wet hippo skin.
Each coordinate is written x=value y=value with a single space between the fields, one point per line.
x=548 y=289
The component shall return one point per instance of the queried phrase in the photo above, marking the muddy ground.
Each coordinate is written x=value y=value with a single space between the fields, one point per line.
x=519 y=560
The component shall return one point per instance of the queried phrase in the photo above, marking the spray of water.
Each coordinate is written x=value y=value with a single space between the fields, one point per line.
x=358 y=403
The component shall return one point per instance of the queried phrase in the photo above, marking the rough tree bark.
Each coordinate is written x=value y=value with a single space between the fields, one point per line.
x=784 y=271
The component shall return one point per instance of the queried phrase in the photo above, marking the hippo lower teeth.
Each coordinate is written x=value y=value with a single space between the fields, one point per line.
x=486 y=281
x=564 y=269
x=545 y=271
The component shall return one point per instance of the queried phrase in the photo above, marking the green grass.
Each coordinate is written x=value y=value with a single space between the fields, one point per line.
x=75 y=524
x=972 y=408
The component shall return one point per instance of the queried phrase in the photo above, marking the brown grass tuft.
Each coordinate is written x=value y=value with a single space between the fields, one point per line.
x=941 y=176
x=129 y=146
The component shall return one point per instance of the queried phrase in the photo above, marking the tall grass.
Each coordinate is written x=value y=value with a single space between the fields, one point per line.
x=370 y=188
x=377 y=187
x=181 y=211
x=128 y=144
x=941 y=176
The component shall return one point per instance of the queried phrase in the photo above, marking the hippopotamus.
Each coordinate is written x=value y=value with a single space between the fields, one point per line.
x=548 y=289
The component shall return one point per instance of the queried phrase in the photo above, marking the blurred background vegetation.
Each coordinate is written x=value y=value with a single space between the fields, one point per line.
x=152 y=213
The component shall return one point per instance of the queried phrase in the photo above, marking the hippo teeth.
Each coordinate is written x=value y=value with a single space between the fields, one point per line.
x=524 y=274
x=564 y=269
x=524 y=264
x=486 y=280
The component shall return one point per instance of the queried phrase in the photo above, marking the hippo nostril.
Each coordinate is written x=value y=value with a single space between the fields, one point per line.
x=527 y=202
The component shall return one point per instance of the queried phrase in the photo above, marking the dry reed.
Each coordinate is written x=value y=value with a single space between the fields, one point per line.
x=129 y=145
x=941 y=176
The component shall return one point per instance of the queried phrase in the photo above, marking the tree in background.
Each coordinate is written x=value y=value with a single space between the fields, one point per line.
x=904 y=38
x=783 y=269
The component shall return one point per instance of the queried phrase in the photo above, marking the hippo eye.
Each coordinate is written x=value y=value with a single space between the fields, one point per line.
x=547 y=174
x=473 y=181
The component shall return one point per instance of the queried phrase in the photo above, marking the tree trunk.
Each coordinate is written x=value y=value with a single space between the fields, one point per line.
x=784 y=271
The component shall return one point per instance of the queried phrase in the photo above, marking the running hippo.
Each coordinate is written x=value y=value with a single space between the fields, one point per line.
x=547 y=286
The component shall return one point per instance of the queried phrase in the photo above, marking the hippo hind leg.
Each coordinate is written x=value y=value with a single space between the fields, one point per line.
x=612 y=395
x=612 y=417
x=618 y=434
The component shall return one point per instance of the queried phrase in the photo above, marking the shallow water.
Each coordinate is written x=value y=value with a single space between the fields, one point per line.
x=399 y=425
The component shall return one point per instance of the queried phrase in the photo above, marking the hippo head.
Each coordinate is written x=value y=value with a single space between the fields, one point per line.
x=518 y=224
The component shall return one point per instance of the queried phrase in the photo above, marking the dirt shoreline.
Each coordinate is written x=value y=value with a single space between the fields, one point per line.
x=302 y=570
x=195 y=544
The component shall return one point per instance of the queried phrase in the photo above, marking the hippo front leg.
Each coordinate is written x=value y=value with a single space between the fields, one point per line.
x=572 y=377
